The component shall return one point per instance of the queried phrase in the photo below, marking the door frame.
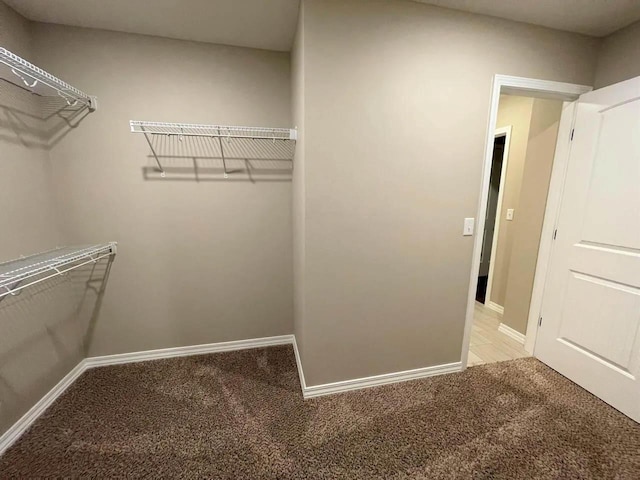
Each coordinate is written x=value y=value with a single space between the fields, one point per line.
x=531 y=87
x=498 y=132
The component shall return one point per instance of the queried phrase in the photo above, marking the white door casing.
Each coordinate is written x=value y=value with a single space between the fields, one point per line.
x=590 y=329
x=516 y=86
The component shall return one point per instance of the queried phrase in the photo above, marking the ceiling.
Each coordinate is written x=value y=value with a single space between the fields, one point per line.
x=271 y=24
x=267 y=24
x=590 y=17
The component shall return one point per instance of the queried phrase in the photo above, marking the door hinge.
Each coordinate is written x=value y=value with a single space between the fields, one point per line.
x=572 y=131
x=540 y=322
x=555 y=233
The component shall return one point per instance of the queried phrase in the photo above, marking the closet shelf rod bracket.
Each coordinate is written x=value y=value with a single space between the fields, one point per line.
x=155 y=155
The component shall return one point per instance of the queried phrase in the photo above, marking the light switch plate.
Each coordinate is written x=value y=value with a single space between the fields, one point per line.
x=469 y=224
x=509 y=213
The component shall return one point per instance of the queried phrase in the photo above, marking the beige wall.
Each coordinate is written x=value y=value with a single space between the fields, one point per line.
x=28 y=216
x=527 y=223
x=394 y=96
x=198 y=261
x=619 y=57
x=43 y=331
x=396 y=102
x=513 y=111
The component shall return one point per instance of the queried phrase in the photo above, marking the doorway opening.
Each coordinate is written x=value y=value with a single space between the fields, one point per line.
x=496 y=186
x=511 y=248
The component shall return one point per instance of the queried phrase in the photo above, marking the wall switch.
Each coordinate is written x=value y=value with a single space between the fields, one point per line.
x=469 y=223
x=509 y=213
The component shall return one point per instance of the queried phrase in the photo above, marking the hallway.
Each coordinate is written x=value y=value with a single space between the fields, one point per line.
x=488 y=345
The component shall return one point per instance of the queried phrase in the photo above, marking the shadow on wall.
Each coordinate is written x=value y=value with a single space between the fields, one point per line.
x=200 y=159
x=45 y=331
x=33 y=121
x=46 y=328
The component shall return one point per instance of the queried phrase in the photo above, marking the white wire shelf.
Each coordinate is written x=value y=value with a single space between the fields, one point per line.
x=20 y=72
x=216 y=132
x=223 y=131
x=24 y=272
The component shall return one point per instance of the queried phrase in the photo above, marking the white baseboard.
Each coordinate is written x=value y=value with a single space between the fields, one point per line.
x=510 y=332
x=376 y=380
x=10 y=436
x=303 y=384
x=495 y=307
x=366 y=382
x=187 y=351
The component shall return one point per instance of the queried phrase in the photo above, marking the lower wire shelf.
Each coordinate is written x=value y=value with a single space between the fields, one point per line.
x=24 y=272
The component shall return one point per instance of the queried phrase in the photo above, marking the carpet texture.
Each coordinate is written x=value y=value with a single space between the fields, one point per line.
x=240 y=415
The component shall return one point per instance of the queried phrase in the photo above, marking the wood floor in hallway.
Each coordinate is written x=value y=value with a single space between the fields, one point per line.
x=488 y=345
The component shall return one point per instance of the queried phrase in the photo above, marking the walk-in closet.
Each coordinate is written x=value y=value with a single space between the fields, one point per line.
x=242 y=239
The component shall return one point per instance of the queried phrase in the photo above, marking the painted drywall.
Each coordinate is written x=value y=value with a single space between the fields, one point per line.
x=43 y=329
x=298 y=191
x=396 y=103
x=527 y=225
x=200 y=259
x=619 y=57
x=514 y=111
x=28 y=216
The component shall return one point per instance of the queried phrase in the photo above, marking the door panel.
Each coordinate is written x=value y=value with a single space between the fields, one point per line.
x=599 y=316
x=615 y=180
x=590 y=330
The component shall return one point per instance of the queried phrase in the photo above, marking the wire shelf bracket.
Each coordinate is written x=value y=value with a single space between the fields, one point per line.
x=218 y=132
x=20 y=72
x=16 y=275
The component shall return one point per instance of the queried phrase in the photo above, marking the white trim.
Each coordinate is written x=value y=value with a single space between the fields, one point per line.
x=552 y=210
x=512 y=333
x=303 y=384
x=376 y=380
x=529 y=86
x=526 y=86
x=506 y=131
x=11 y=435
x=495 y=307
x=18 y=428
x=367 y=382
x=203 y=349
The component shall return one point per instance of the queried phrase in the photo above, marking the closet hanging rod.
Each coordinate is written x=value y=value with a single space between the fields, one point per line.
x=34 y=79
x=216 y=131
x=24 y=272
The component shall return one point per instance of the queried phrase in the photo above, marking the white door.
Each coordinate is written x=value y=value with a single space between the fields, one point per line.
x=590 y=330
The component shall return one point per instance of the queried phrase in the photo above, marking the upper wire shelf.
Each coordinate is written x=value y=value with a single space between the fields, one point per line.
x=26 y=75
x=223 y=131
x=18 y=274
x=214 y=132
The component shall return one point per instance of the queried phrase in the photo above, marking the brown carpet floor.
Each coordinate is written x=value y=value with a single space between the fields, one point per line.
x=240 y=415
